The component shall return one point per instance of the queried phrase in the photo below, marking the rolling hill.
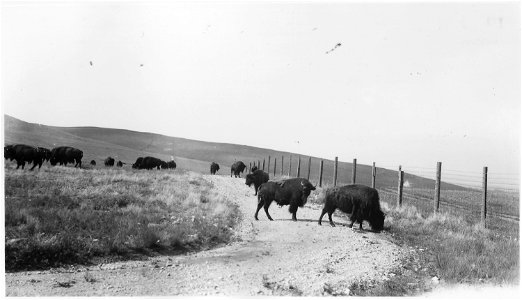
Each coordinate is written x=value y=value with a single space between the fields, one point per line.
x=125 y=145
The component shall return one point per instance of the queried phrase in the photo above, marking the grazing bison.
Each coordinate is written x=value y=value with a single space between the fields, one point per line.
x=236 y=168
x=23 y=153
x=109 y=162
x=293 y=192
x=150 y=163
x=64 y=155
x=214 y=167
x=119 y=163
x=93 y=162
x=359 y=200
x=137 y=164
x=171 y=164
x=258 y=177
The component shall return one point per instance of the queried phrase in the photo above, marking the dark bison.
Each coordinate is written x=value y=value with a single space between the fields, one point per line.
x=361 y=201
x=150 y=163
x=23 y=153
x=236 y=168
x=119 y=163
x=64 y=155
x=258 y=177
x=171 y=164
x=137 y=164
x=214 y=167
x=45 y=153
x=93 y=162
x=254 y=168
x=109 y=162
x=293 y=192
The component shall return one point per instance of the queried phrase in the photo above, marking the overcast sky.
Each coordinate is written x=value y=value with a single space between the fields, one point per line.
x=404 y=83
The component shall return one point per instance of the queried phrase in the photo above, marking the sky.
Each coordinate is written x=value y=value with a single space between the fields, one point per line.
x=406 y=84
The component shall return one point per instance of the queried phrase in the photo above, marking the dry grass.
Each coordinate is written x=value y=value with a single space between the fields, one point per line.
x=65 y=215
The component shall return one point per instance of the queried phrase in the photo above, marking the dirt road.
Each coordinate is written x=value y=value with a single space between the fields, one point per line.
x=270 y=258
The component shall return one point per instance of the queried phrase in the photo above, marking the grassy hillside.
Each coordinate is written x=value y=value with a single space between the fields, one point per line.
x=125 y=145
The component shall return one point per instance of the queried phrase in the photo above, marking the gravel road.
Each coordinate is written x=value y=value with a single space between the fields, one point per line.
x=268 y=258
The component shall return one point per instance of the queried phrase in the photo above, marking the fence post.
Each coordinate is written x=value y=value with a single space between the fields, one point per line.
x=258 y=164
x=289 y=165
x=373 y=175
x=263 y=164
x=437 y=188
x=399 y=187
x=249 y=167
x=321 y=174
x=354 y=170
x=299 y=166
x=484 y=195
x=268 y=166
x=282 y=164
x=275 y=164
x=309 y=166
x=335 y=172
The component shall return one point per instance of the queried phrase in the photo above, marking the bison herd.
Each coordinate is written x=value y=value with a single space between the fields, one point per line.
x=361 y=202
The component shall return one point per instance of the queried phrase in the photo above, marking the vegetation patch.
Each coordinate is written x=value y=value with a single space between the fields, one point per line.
x=63 y=215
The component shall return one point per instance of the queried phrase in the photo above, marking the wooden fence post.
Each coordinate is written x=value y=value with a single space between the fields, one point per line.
x=399 y=187
x=250 y=167
x=268 y=166
x=275 y=164
x=437 y=188
x=263 y=164
x=259 y=164
x=299 y=166
x=354 y=170
x=484 y=195
x=282 y=164
x=335 y=172
x=373 y=175
x=290 y=166
x=309 y=165
x=321 y=174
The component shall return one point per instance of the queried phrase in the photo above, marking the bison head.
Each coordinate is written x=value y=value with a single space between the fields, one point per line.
x=253 y=169
x=249 y=179
x=307 y=189
x=376 y=220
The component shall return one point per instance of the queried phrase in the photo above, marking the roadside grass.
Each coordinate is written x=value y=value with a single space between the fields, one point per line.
x=452 y=248
x=63 y=215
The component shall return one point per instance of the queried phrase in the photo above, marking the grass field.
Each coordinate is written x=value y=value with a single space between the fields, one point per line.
x=63 y=215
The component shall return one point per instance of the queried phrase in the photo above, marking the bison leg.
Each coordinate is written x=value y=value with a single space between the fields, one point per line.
x=259 y=205
x=293 y=211
x=266 y=206
x=255 y=188
x=322 y=214
x=330 y=213
x=34 y=165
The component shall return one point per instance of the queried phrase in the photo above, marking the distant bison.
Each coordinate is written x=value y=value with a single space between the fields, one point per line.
x=254 y=168
x=23 y=153
x=258 y=177
x=137 y=164
x=214 y=167
x=359 y=200
x=150 y=163
x=236 y=168
x=64 y=155
x=119 y=163
x=109 y=162
x=171 y=164
x=293 y=192
x=93 y=162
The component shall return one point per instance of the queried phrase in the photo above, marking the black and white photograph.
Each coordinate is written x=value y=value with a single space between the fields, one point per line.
x=260 y=149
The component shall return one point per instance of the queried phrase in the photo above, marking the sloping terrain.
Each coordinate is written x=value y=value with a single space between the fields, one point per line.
x=125 y=145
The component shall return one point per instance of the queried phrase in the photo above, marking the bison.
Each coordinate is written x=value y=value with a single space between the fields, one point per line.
x=137 y=164
x=236 y=168
x=293 y=192
x=64 y=155
x=150 y=163
x=109 y=162
x=93 y=162
x=359 y=200
x=214 y=167
x=254 y=168
x=119 y=163
x=171 y=164
x=44 y=153
x=23 y=153
x=258 y=177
